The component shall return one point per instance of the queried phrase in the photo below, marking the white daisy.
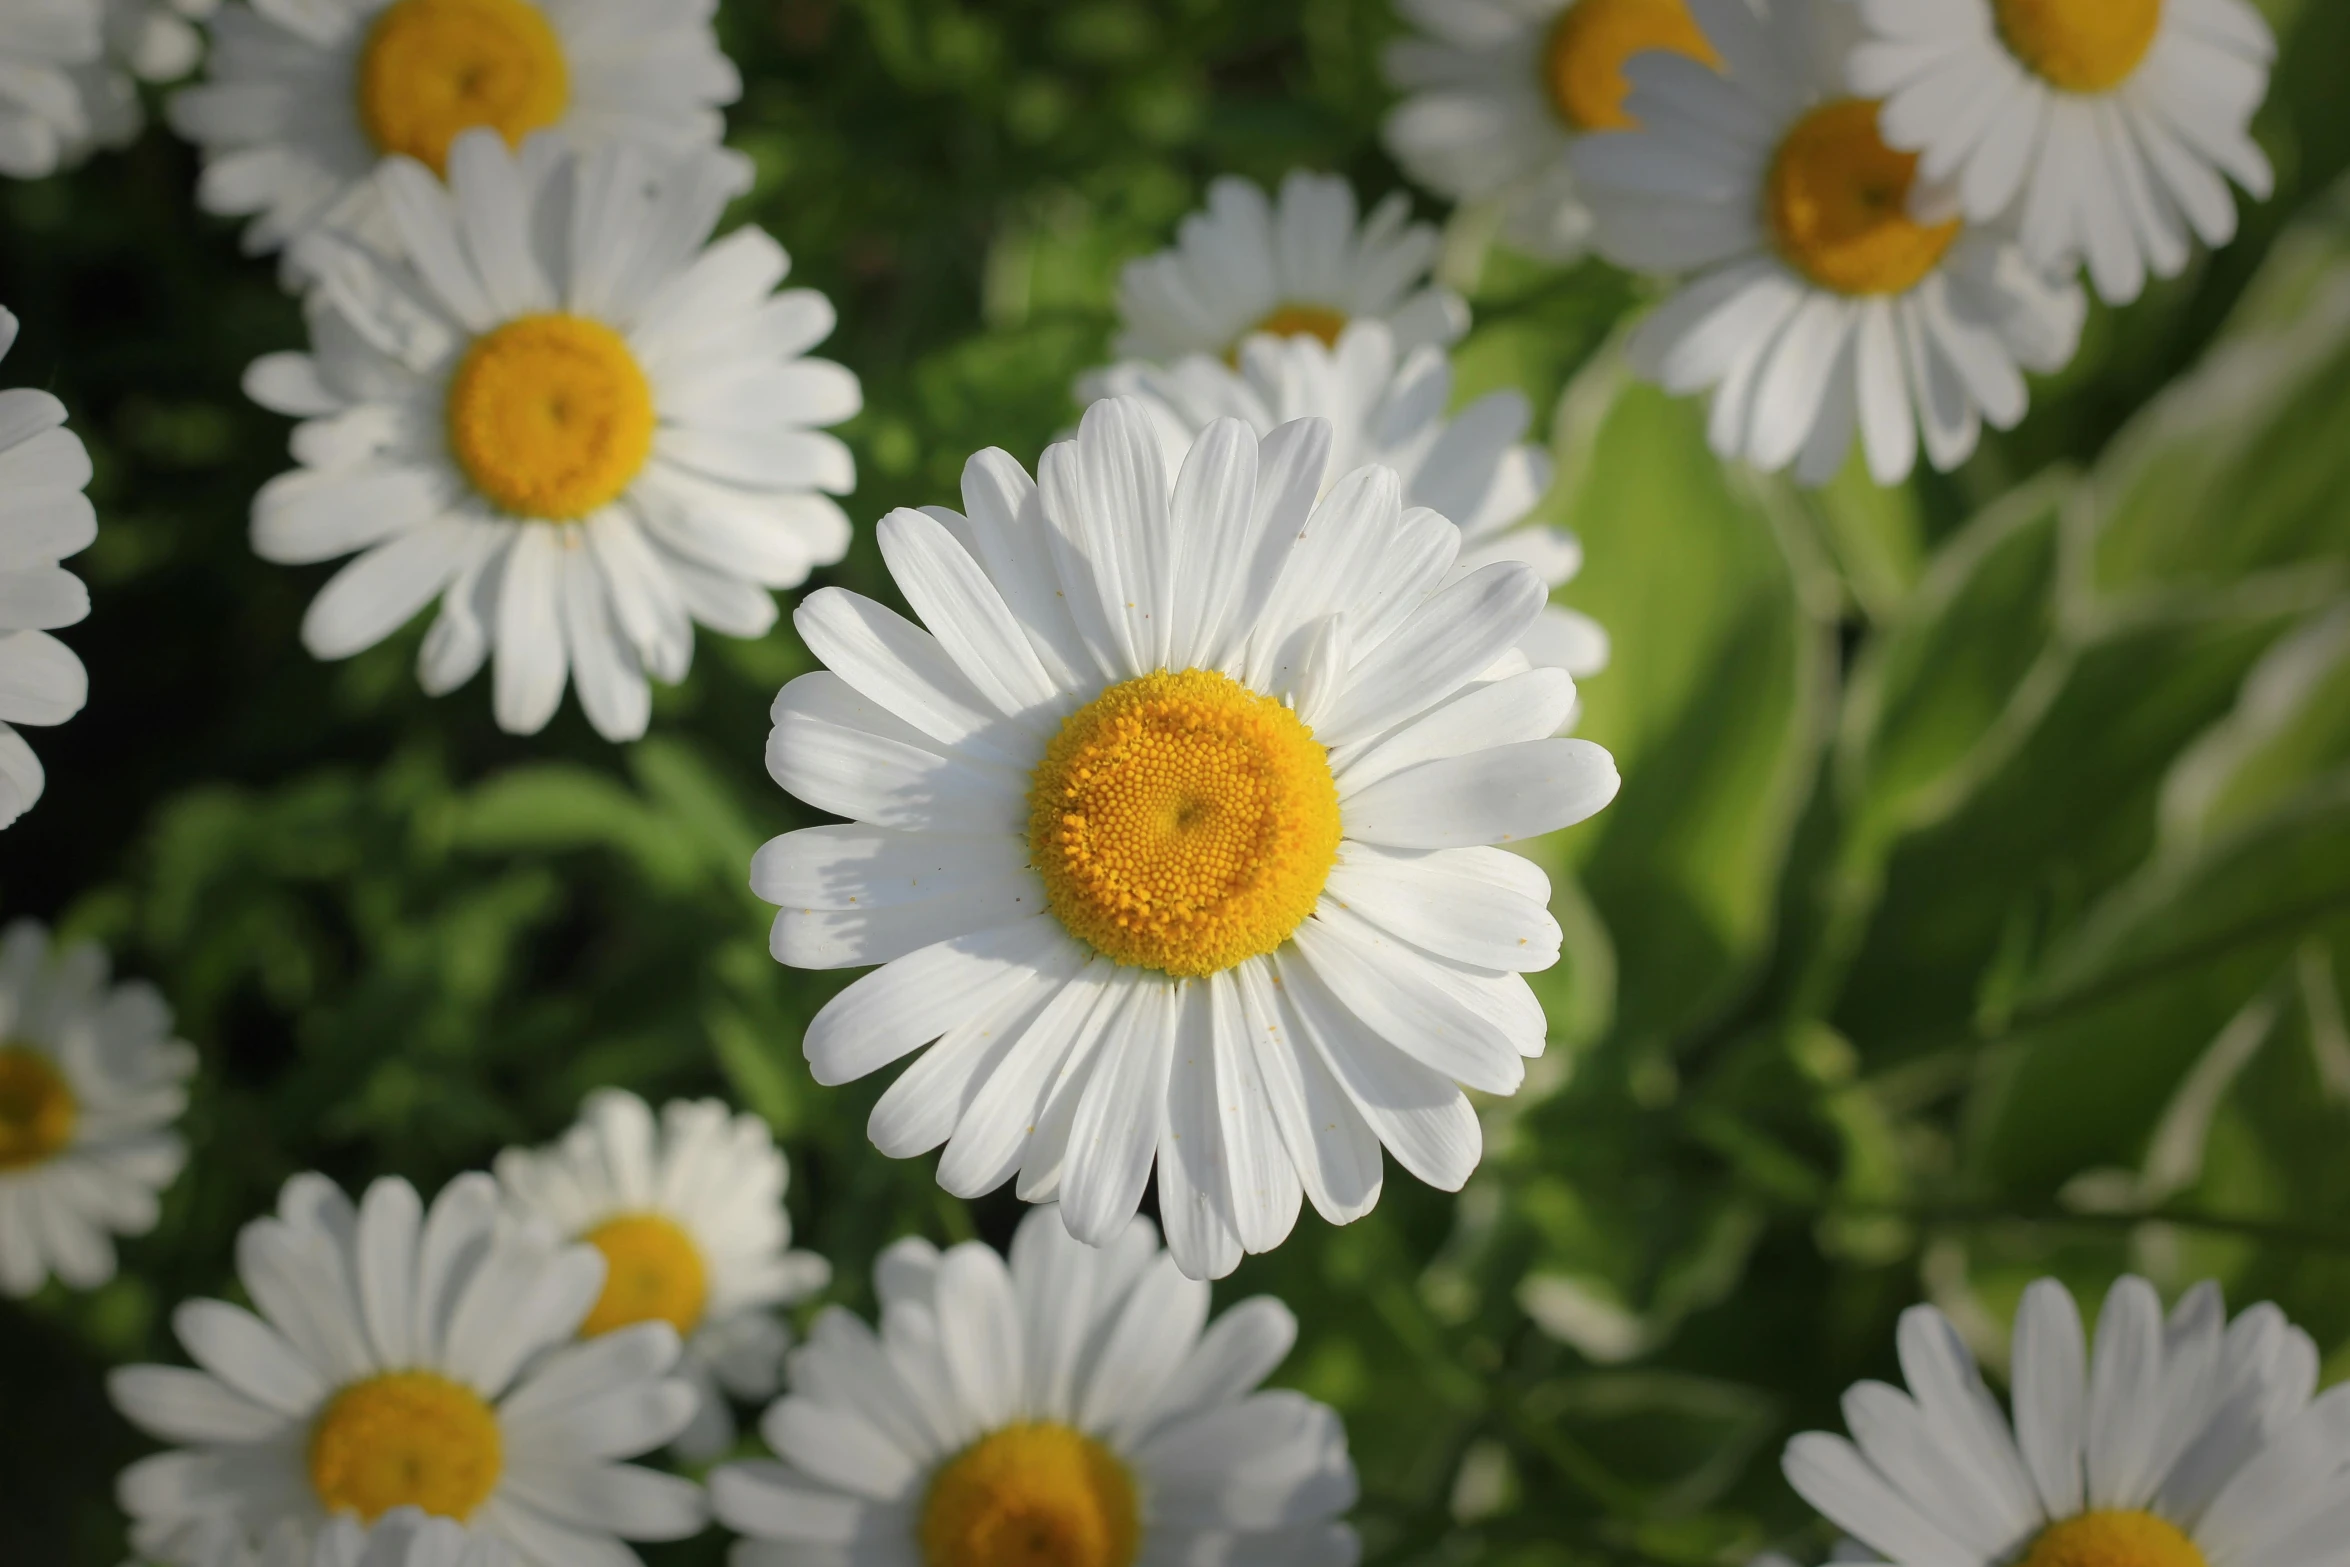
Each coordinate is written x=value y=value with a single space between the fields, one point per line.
x=91 y=1081
x=1818 y=301
x=1068 y=1409
x=1174 y=824
x=302 y=97
x=44 y=517
x=1498 y=90
x=145 y=41
x=568 y=419
x=2191 y=1443
x=406 y=1357
x=1383 y=408
x=2111 y=126
x=42 y=117
x=688 y=1213
x=1297 y=265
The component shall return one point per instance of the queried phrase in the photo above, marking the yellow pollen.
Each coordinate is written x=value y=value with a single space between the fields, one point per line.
x=1033 y=1495
x=37 y=1109
x=432 y=69
x=1838 y=205
x=550 y=416
x=1183 y=822
x=2113 y=1539
x=405 y=1439
x=653 y=1272
x=1583 y=66
x=2081 y=46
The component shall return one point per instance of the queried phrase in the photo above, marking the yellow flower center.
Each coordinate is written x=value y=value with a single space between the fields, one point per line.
x=1583 y=66
x=1038 y=1495
x=405 y=1439
x=2114 y=1539
x=1183 y=822
x=432 y=69
x=2083 y=46
x=1838 y=205
x=37 y=1110
x=550 y=416
x=653 y=1272
x=1296 y=320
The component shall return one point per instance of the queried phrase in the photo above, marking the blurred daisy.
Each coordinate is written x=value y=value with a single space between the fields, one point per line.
x=1819 y=301
x=1474 y=468
x=302 y=97
x=44 y=517
x=1297 y=266
x=567 y=419
x=1068 y=1409
x=42 y=117
x=2191 y=1443
x=1172 y=831
x=2116 y=124
x=145 y=41
x=406 y=1357
x=91 y=1081
x=1498 y=90
x=688 y=1213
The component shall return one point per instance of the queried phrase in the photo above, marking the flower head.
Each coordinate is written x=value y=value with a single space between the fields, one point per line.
x=44 y=517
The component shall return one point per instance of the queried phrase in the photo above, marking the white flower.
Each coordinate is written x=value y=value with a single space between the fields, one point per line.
x=1818 y=300
x=1300 y=265
x=145 y=41
x=405 y=1357
x=42 y=118
x=2191 y=1443
x=2111 y=126
x=91 y=1081
x=1066 y=1409
x=1498 y=90
x=1175 y=825
x=301 y=98
x=1383 y=408
x=403 y=1537
x=568 y=419
x=44 y=517
x=689 y=1216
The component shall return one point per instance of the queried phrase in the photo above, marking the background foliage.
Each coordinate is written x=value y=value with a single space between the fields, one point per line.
x=1976 y=904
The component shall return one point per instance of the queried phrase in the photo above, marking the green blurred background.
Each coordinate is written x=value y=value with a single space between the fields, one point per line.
x=1975 y=906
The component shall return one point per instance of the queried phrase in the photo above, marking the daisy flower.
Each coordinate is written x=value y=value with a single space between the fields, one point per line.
x=1174 y=831
x=688 y=1213
x=1299 y=264
x=42 y=118
x=91 y=1081
x=44 y=517
x=1067 y=1409
x=566 y=417
x=1498 y=90
x=145 y=41
x=301 y=98
x=2186 y=1443
x=2113 y=125
x=400 y=1356
x=1389 y=409
x=1817 y=300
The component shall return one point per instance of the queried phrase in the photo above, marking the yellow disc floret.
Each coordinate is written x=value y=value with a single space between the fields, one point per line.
x=37 y=1109
x=550 y=416
x=1032 y=1495
x=653 y=1272
x=1183 y=822
x=2113 y=1539
x=1838 y=205
x=433 y=69
x=2082 y=46
x=1296 y=320
x=1583 y=65
x=405 y=1439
